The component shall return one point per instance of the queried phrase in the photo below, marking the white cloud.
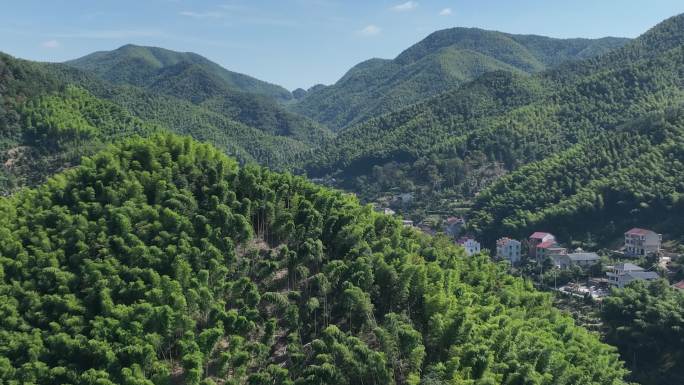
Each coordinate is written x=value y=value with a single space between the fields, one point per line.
x=407 y=6
x=50 y=44
x=111 y=34
x=370 y=30
x=445 y=12
x=201 y=15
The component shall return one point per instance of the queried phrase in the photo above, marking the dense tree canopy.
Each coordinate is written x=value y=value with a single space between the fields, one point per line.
x=633 y=176
x=646 y=321
x=48 y=121
x=440 y=62
x=160 y=260
x=459 y=142
x=134 y=64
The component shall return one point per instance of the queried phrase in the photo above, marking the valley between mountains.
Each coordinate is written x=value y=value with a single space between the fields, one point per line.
x=164 y=220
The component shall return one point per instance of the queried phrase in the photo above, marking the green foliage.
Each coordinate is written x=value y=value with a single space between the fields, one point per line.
x=441 y=61
x=47 y=121
x=576 y=141
x=190 y=98
x=132 y=64
x=194 y=79
x=160 y=261
x=48 y=126
x=646 y=322
x=631 y=176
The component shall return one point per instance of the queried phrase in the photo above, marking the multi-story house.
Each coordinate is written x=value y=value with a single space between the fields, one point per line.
x=642 y=242
x=538 y=238
x=508 y=249
x=548 y=249
x=470 y=245
x=623 y=273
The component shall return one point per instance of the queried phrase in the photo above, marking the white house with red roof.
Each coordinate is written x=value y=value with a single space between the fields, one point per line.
x=642 y=242
x=540 y=238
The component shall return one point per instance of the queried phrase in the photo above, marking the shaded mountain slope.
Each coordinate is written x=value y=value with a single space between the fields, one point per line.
x=51 y=113
x=440 y=145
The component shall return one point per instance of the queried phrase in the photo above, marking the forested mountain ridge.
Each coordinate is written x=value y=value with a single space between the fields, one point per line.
x=38 y=98
x=160 y=261
x=46 y=125
x=571 y=104
x=631 y=176
x=632 y=166
x=193 y=78
x=443 y=60
x=139 y=65
x=207 y=94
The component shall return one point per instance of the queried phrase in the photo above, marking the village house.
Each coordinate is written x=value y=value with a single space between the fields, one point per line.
x=679 y=285
x=470 y=245
x=548 y=249
x=453 y=226
x=427 y=226
x=642 y=242
x=387 y=211
x=579 y=258
x=508 y=249
x=623 y=273
x=539 y=238
x=407 y=223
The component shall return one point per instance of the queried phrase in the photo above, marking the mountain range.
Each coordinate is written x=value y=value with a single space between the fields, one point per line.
x=505 y=122
x=132 y=253
x=146 y=66
x=496 y=102
x=441 y=61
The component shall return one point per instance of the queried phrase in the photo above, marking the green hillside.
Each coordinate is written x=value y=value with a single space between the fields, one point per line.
x=632 y=176
x=161 y=261
x=456 y=144
x=194 y=79
x=442 y=61
x=131 y=253
x=47 y=126
x=52 y=115
x=132 y=64
x=626 y=168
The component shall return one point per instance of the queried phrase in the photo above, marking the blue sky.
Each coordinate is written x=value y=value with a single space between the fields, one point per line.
x=298 y=43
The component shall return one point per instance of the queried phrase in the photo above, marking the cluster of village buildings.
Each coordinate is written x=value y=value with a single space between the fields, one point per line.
x=542 y=245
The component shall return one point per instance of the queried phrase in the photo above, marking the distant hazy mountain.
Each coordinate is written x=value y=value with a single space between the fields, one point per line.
x=142 y=66
x=441 y=61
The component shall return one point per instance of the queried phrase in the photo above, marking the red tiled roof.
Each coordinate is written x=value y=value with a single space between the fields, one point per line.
x=538 y=235
x=452 y=220
x=679 y=285
x=638 y=231
x=546 y=244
